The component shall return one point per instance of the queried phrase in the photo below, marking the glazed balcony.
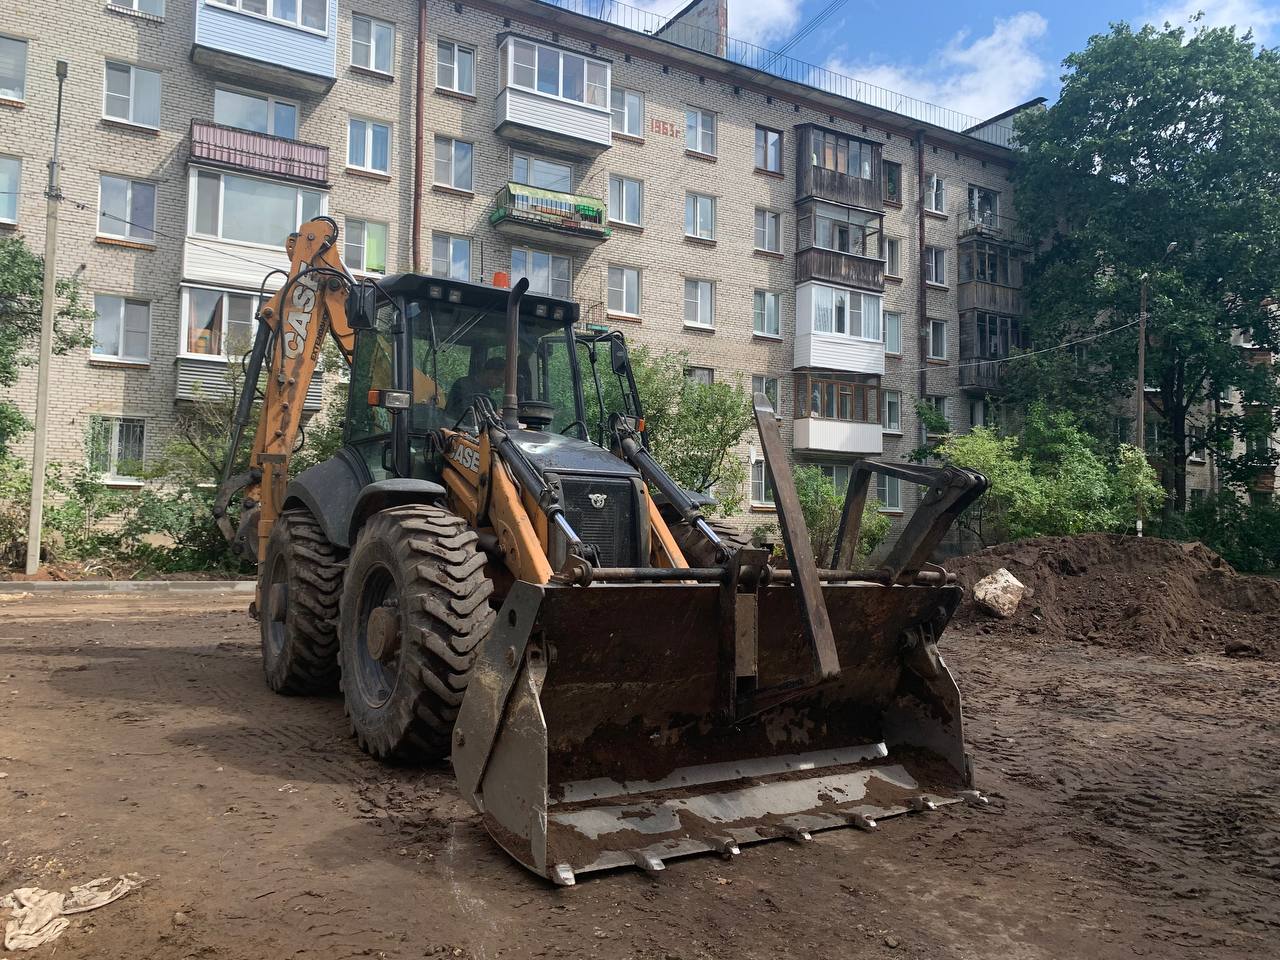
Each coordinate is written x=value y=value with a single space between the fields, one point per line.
x=258 y=153
x=243 y=41
x=542 y=216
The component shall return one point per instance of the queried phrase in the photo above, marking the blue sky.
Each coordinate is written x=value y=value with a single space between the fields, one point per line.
x=976 y=56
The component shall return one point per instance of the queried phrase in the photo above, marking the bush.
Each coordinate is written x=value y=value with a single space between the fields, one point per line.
x=1247 y=536
x=821 y=506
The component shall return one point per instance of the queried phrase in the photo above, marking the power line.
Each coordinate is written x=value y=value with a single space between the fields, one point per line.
x=1033 y=353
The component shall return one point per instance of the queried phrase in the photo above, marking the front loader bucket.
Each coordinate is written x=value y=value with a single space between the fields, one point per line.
x=594 y=732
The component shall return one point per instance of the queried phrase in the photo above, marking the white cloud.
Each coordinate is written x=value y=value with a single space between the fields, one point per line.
x=979 y=76
x=1260 y=16
x=756 y=21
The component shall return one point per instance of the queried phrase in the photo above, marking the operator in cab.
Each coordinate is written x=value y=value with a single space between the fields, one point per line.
x=487 y=382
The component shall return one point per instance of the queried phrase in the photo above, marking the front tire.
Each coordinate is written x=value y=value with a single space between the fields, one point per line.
x=301 y=582
x=414 y=607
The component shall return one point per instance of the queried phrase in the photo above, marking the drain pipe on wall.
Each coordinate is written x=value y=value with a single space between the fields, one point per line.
x=418 y=125
x=922 y=297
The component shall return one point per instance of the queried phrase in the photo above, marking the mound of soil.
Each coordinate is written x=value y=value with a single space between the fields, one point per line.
x=1149 y=596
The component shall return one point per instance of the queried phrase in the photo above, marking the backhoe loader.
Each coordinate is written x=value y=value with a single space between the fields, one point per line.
x=494 y=569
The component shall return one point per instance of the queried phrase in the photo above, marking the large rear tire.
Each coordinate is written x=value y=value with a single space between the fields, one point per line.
x=414 y=607
x=698 y=550
x=301 y=582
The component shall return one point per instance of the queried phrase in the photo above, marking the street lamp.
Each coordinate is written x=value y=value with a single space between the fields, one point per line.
x=1141 y=431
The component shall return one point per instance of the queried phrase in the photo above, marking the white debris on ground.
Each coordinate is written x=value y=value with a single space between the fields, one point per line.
x=40 y=916
x=999 y=594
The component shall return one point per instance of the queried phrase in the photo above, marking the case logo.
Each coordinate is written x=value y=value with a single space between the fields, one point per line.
x=297 y=321
x=598 y=500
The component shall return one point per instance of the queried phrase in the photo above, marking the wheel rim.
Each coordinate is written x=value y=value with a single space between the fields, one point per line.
x=375 y=679
x=276 y=601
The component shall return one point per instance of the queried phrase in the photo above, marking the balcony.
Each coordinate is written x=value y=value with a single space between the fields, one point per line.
x=537 y=215
x=266 y=52
x=845 y=269
x=837 y=436
x=981 y=376
x=824 y=183
x=259 y=153
x=829 y=349
x=205 y=379
x=989 y=297
x=989 y=226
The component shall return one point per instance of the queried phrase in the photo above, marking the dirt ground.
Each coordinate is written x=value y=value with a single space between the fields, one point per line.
x=1135 y=812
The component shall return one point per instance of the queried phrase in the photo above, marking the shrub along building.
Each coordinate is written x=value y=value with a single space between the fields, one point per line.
x=772 y=220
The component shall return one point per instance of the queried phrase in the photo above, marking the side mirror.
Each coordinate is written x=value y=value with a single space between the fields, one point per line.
x=619 y=359
x=361 y=307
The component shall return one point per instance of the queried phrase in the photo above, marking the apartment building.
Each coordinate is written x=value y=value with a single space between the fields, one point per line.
x=849 y=260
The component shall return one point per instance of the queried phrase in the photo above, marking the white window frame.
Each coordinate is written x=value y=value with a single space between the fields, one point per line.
x=450 y=239
x=453 y=163
x=1195 y=436
x=133 y=77
x=699 y=127
x=617 y=212
x=631 y=282
x=893 y=261
x=935 y=195
x=124 y=306
x=935 y=265
x=972 y=211
x=889 y=493
x=16 y=194
x=767 y=496
x=701 y=322
x=369 y=125
x=693 y=373
x=360 y=264
x=894 y=426
x=531 y=160
x=113 y=445
x=626 y=113
x=760 y=384
x=26 y=58
x=756 y=148
x=271 y=100
x=530 y=253
x=129 y=226
x=763 y=220
x=184 y=325
x=509 y=65
x=820 y=291
x=135 y=6
x=934 y=326
x=884 y=327
x=192 y=180
x=695 y=198
x=942 y=405
x=457 y=47
x=295 y=23
x=374 y=24
x=760 y=301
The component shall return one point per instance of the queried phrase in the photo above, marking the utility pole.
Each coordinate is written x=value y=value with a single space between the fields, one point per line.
x=1141 y=426
x=53 y=194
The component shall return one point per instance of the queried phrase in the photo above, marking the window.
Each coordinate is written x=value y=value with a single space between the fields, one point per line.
x=987 y=262
x=893 y=333
x=836 y=397
x=892 y=257
x=700 y=131
x=846 y=231
x=935 y=266
x=366 y=246
x=373 y=44
x=846 y=312
x=891 y=416
x=558 y=73
x=1122 y=429
x=1151 y=436
x=935 y=195
x=996 y=336
x=892 y=181
x=627 y=107
x=937 y=339
x=768 y=150
x=766 y=385
x=1196 y=444
x=699 y=216
x=702 y=375
x=942 y=407
x=768 y=231
x=451 y=256
x=116 y=446
x=126 y=208
x=548 y=273
x=984 y=205
x=369 y=145
x=1197 y=496
x=982 y=413
x=626 y=200
x=842 y=154
x=453 y=163
x=256 y=112
x=546 y=174
x=220 y=323
x=10 y=188
x=132 y=94
x=455 y=67
x=761 y=483
x=308 y=14
x=121 y=328
x=13 y=69
x=889 y=492
x=231 y=207
x=699 y=303
x=838 y=474
x=153 y=7
x=765 y=313
x=624 y=290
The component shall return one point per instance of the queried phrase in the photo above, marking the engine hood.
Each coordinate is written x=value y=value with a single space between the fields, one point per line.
x=567 y=456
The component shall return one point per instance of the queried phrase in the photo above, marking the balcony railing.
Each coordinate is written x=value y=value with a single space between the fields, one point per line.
x=534 y=213
x=259 y=153
x=981 y=374
x=992 y=227
x=846 y=269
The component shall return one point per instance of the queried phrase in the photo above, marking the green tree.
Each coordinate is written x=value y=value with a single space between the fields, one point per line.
x=821 y=506
x=21 y=285
x=1157 y=138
